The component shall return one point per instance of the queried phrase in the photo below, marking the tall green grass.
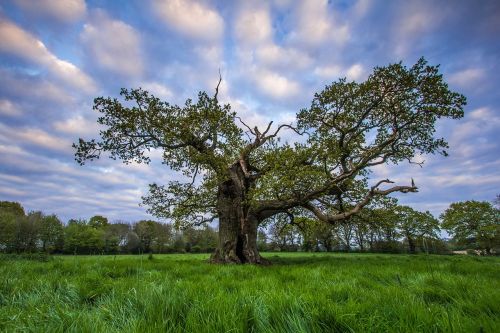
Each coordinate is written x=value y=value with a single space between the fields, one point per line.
x=298 y=293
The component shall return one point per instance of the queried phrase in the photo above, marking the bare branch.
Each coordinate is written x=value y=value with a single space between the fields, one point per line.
x=218 y=84
x=244 y=124
x=374 y=191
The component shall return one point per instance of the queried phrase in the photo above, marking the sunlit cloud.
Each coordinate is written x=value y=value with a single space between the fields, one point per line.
x=193 y=19
x=113 y=45
x=66 y=11
x=22 y=44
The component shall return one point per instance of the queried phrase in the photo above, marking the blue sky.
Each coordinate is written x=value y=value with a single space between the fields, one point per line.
x=56 y=56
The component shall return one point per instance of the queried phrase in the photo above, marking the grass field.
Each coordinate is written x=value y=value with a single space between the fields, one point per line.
x=298 y=293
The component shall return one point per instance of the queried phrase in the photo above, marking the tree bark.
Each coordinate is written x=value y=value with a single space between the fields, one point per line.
x=237 y=224
x=411 y=244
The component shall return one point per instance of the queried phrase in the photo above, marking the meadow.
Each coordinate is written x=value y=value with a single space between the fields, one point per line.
x=300 y=292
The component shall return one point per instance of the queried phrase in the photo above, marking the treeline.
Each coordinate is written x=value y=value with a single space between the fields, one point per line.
x=397 y=230
x=35 y=231
x=473 y=225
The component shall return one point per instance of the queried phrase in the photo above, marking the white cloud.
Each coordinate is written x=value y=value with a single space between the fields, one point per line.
x=114 y=45
x=361 y=8
x=61 y=10
x=328 y=72
x=191 y=18
x=210 y=55
x=275 y=85
x=9 y=109
x=315 y=27
x=267 y=65
x=77 y=125
x=34 y=136
x=11 y=192
x=22 y=44
x=253 y=26
x=354 y=72
x=157 y=89
x=475 y=123
x=33 y=88
x=276 y=56
x=470 y=77
x=471 y=136
x=415 y=21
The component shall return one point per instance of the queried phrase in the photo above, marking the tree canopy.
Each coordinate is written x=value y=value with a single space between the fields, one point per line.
x=474 y=223
x=238 y=172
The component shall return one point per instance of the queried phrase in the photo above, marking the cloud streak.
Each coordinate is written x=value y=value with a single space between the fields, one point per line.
x=23 y=45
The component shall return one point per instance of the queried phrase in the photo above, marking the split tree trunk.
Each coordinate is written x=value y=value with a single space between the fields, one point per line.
x=237 y=225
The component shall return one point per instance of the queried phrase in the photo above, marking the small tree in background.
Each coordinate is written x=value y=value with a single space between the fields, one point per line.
x=98 y=222
x=51 y=233
x=414 y=225
x=473 y=223
x=12 y=207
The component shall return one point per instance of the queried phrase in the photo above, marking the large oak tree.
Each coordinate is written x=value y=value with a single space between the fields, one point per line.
x=242 y=175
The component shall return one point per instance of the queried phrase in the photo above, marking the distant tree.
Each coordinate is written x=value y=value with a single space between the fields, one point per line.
x=98 y=221
x=164 y=235
x=81 y=238
x=72 y=232
x=51 y=233
x=146 y=231
x=316 y=235
x=11 y=214
x=208 y=239
x=345 y=232
x=179 y=243
x=246 y=177
x=133 y=242
x=203 y=238
x=382 y=234
x=475 y=223
x=284 y=236
x=361 y=228
x=414 y=225
x=8 y=230
x=115 y=237
x=262 y=240
x=27 y=231
x=11 y=207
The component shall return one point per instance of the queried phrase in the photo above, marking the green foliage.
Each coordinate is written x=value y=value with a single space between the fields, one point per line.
x=19 y=233
x=298 y=293
x=115 y=236
x=394 y=102
x=350 y=128
x=51 y=234
x=11 y=207
x=475 y=223
x=415 y=225
x=8 y=230
x=82 y=238
x=262 y=240
x=98 y=221
x=152 y=235
x=199 y=239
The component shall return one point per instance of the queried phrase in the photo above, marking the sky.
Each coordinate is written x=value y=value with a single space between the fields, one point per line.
x=57 y=56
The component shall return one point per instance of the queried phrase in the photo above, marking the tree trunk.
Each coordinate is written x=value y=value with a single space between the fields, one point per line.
x=237 y=225
x=411 y=244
